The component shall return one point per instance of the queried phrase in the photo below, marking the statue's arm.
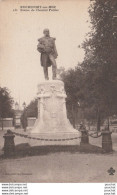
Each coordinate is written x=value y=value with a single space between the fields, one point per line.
x=40 y=46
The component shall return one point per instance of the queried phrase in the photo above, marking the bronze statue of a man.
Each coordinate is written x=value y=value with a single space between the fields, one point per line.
x=47 y=48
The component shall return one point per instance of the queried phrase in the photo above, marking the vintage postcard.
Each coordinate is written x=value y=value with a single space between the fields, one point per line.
x=58 y=91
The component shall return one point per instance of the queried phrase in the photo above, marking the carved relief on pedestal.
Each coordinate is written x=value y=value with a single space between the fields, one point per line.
x=52 y=115
x=53 y=93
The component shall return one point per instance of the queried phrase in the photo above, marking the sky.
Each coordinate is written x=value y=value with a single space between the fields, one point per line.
x=20 y=69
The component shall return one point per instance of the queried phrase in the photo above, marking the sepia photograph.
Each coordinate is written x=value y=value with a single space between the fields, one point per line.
x=58 y=91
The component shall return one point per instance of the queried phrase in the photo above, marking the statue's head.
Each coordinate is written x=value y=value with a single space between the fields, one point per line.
x=46 y=32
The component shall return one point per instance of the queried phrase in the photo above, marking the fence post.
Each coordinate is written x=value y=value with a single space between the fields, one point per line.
x=84 y=135
x=106 y=140
x=9 y=145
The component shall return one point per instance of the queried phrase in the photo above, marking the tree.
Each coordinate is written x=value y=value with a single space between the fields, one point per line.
x=29 y=111
x=94 y=81
x=6 y=102
x=73 y=80
x=32 y=108
x=100 y=63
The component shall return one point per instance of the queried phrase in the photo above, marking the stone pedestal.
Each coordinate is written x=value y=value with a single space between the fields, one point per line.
x=106 y=141
x=52 y=122
x=9 y=145
x=84 y=138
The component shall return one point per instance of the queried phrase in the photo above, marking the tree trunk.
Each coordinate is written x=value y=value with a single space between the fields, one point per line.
x=73 y=116
x=108 y=124
x=98 y=121
x=2 y=124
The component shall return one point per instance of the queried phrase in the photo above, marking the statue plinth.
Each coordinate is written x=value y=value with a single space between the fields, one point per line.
x=52 y=122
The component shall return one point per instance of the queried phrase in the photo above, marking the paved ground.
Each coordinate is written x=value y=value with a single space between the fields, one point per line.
x=60 y=167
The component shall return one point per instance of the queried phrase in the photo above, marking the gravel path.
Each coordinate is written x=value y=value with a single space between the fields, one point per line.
x=60 y=167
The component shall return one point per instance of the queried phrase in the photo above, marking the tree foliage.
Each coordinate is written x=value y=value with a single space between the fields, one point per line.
x=94 y=83
x=32 y=109
x=100 y=63
x=6 y=103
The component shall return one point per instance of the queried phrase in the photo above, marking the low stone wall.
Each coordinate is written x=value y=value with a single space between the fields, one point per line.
x=113 y=128
x=6 y=123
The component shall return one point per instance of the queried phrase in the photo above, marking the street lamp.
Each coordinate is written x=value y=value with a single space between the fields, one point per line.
x=24 y=116
x=24 y=105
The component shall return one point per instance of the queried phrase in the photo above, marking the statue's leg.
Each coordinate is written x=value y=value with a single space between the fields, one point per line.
x=45 y=67
x=54 y=66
